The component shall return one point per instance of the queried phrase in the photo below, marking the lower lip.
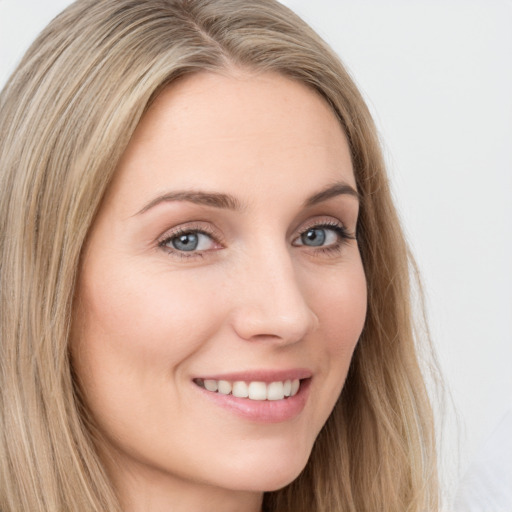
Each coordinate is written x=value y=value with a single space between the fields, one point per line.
x=262 y=411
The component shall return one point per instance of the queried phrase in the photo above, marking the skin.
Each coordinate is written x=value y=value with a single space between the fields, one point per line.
x=150 y=318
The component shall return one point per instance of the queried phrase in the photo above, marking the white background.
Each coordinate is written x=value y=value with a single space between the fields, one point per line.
x=438 y=78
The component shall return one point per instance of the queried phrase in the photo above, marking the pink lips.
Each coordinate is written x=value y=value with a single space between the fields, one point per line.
x=260 y=411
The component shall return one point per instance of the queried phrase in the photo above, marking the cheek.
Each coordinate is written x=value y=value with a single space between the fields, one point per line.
x=133 y=337
x=145 y=317
x=342 y=311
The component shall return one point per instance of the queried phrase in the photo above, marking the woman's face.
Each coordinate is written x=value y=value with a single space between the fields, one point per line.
x=222 y=262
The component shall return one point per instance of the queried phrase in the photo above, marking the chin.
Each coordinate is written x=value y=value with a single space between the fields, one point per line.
x=267 y=473
x=268 y=480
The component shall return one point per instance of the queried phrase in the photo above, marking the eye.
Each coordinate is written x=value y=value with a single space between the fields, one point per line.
x=325 y=235
x=192 y=241
x=316 y=237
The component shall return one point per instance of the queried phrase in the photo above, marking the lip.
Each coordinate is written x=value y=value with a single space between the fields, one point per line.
x=266 y=376
x=261 y=411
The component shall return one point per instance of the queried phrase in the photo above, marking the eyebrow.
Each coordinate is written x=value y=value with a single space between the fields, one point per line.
x=337 y=189
x=229 y=202
x=215 y=199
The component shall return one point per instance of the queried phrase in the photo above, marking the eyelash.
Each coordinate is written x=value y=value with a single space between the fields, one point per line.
x=341 y=231
x=187 y=230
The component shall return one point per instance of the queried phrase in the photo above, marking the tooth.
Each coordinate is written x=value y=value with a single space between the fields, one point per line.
x=240 y=389
x=257 y=391
x=224 y=387
x=210 y=385
x=275 y=391
x=254 y=390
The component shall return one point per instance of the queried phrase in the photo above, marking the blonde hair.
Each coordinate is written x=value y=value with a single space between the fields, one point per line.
x=66 y=116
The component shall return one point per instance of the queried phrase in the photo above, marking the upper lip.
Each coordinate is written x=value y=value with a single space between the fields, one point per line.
x=262 y=375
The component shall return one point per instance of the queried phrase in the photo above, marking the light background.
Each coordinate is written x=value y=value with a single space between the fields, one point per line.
x=438 y=78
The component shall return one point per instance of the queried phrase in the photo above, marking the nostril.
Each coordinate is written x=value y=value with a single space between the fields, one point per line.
x=264 y=336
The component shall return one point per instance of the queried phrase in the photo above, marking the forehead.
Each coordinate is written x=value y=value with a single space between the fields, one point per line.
x=243 y=132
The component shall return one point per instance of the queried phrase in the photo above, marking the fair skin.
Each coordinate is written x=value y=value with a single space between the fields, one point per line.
x=223 y=251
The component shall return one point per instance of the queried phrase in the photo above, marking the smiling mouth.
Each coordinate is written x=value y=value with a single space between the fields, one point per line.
x=254 y=390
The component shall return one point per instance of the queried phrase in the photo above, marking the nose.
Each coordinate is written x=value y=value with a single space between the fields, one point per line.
x=272 y=305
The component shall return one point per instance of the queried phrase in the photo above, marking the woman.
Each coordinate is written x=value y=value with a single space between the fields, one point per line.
x=204 y=284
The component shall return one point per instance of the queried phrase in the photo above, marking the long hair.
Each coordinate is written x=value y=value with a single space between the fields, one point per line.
x=66 y=116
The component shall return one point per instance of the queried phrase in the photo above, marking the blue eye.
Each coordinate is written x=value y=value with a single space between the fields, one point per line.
x=320 y=236
x=185 y=242
x=189 y=241
x=314 y=237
